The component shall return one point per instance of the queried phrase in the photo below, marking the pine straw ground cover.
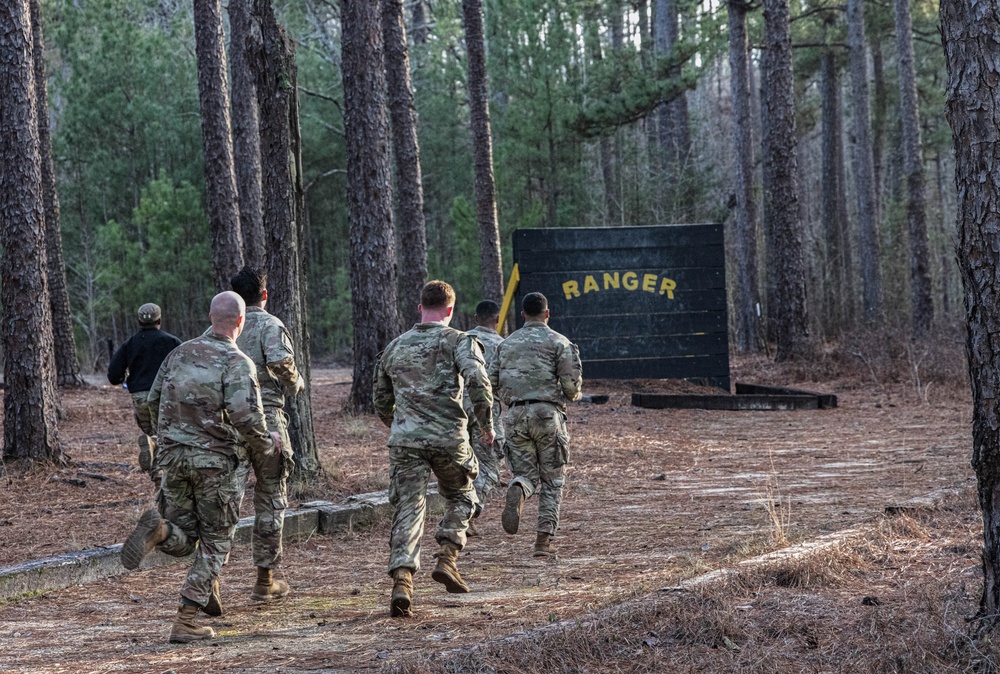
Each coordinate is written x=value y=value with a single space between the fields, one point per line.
x=653 y=497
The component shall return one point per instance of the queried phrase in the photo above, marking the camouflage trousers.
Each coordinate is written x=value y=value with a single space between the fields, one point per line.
x=489 y=458
x=270 y=494
x=140 y=408
x=201 y=498
x=538 y=451
x=409 y=471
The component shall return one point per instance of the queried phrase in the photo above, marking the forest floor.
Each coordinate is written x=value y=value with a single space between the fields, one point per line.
x=652 y=497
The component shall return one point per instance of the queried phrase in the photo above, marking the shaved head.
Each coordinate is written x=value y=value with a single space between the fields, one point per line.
x=227 y=312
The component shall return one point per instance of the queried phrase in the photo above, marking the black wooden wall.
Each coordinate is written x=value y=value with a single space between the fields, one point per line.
x=666 y=319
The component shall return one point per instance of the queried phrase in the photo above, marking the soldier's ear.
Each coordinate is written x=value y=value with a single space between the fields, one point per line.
x=263 y=295
x=450 y=310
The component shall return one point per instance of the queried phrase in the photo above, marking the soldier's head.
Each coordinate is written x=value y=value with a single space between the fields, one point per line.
x=227 y=314
x=534 y=307
x=251 y=284
x=437 y=302
x=149 y=315
x=488 y=314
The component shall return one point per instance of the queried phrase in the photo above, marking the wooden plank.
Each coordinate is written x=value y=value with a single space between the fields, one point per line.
x=637 y=324
x=826 y=401
x=594 y=238
x=532 y=261
x=725 y=402
x=713 y=367
x=616 y=347
x=609 y=280
x=600 y=304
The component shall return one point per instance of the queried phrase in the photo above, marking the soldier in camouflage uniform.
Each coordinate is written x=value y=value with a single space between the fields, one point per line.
x=266 y=341
x=535 y=372
x=489 y=456
x=205 y=401
x=139 y=357
x=418 y=393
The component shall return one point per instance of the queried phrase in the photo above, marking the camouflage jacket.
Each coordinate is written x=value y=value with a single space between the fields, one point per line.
x=419 y=380
x=206 y=396
x=490 y=340
x=537 y=363
x=266 y=341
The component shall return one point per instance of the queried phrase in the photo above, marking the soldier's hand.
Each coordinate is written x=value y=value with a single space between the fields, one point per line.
x=300 y=386
x=278 y=444
x=488 y=437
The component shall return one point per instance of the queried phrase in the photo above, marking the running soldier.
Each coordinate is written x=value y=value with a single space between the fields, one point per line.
x=266 y=341
x=418 y=394
x=140 y=358
x=536 y=371
x=489 y=456
x=204 y=402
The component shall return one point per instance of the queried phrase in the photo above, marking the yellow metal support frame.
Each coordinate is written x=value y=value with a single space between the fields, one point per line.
x=508 y=297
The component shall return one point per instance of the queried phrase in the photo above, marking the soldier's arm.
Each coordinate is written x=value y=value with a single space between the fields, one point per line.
x=280 y=356
x=242 y=400
x=153 y=397
x=383 y=395
x=569 y=370
x=118 y=365
x=493 y=371
x=469 y=360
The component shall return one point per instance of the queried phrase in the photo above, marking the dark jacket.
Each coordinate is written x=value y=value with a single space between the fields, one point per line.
x=141 y=355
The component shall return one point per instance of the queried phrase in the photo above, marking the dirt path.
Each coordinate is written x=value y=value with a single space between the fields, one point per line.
x=652 y=496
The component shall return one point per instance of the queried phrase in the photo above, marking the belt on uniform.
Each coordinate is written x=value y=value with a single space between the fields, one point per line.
x=529 y=402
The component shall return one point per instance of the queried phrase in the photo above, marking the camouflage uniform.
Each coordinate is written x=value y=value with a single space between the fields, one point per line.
x=489 y=457
x=140 y=408
x=418 y=393
x=535 y=372
x=266 y=341
x=204 y=402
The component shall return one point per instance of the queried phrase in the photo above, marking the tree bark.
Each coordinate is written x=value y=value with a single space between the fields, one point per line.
x=30 y=402
x=244 y=34
x=746 y=294
x=880 y=107
x=213 y=93
x=412 y=228
x=868 y=243
x=369 y=189
x=922 y=303
x=605 y=148
x=969 y=29
x=675 y=137
x=420 y=15
x=67 y=365
x=482 y=143
x=781 y=154
x=273 y=65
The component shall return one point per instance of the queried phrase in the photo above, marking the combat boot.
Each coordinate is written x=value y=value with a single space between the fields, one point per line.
x=214 y=605
x=185 y=629
x=473 y=530
x=446 y=571
x=268 y=587
x=146 y=450
x=150 y=531
x=402 y=593
x=511 y=517
x=543 y=545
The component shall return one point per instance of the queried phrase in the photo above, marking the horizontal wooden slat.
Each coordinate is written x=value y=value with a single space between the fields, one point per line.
x=723 y=402
x=630 y=325
x=658 y=368
x=625 y=348
x=687 y=278
x=588 y=238
x=533 y=261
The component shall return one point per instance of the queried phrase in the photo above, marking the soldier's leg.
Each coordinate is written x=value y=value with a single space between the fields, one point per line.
x=270 y=498
x=146 y=441
x=489 y=469
x=408 y=474
x=216 y=489
x=548 y=428
x=522 y=457
x=176 y=503
x=455 y=471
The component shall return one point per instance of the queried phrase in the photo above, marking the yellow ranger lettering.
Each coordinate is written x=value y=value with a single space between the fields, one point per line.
x=630 y=280
x=590 y=285
x=649 y=283
x=667 y=287
x=571 y=289
x=611 y=281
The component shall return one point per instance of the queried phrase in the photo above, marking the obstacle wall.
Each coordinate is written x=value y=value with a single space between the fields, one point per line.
x=641 y=302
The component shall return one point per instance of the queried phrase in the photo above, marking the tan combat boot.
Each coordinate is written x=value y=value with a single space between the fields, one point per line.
x=511 y=517
x=150 y=531
x=446 y=571
x=185 y=629
x=543 y=545
x=402 y=593
x=473 y=530
x=268 y=587
x=146 y=450
x=214 y=605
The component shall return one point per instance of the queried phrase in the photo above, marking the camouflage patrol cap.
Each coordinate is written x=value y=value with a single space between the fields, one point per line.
x=149 y=313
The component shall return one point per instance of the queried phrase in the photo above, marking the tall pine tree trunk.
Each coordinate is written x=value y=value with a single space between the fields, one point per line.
x=67 y=365
x=275 y=79
x=605 y=147
x=369 y=192
x=746 y=294
x=213 y=92
x=864 y=172
x=922 y=304
x=969 y=29
x=880 y=109
x=482 y=144
x=781 y=153
x=30 y=403
x=411 y=226
x=245 y=37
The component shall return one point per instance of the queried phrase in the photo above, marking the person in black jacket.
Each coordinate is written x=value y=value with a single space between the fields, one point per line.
x=141 y=356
